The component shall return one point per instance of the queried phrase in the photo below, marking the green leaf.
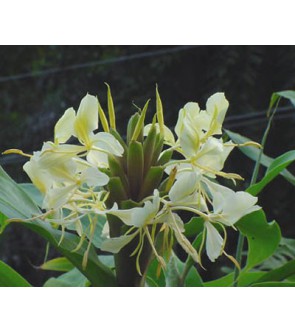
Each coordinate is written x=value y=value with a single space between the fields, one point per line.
x=225 y=281
x=57 y=264
x=275 y=168
x=274 y=284
x=253 y=153
x=3 y=222
x=288 y=94
x=280 y=273
x=194 y=227
x=73 y=278
x=172 y=273
x=152 y=278
x=245 y=279
x=263 y=237
x=15 y=203
x=193 y=278
x=10 y=278
x=107 y=260
x=33 y=192
x=249 y=278
x=284 y=253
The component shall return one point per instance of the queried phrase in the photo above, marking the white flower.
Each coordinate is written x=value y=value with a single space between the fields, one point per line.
x=82 y=125
x=213 y=154
x=185 y=191
x=230 y=206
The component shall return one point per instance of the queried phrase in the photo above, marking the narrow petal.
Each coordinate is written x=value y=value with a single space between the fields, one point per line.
x=214 y=242
x=115 y=244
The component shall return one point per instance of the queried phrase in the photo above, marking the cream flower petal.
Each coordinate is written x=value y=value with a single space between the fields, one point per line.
x=217 y=106
x=93 y=177
x=86 y=119
x=37 y=174
x=213 y=154
x=230 y=206
x=189 y=140
x=97 y=158
x=108 y=143
x=139 y=216
x=64 y=127
x=214 y=242
x=184 y=186
x=57 y=197
x=115 y=244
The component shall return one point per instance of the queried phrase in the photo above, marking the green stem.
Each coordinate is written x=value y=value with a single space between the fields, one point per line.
x=240 y=246
x=241 y=238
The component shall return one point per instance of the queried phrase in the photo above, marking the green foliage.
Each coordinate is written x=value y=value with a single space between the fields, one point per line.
x=253 y=153
x=73 y=278
x=275 y=168
x=284 y=253
x=263 y=237
x=155 y=276
x=3 y=222
x=280 y=273
x=57 y=264
x=10 y=278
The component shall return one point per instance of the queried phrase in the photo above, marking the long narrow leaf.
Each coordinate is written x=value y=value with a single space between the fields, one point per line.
x=275 y=168
x=253 y=153
x=10 y=278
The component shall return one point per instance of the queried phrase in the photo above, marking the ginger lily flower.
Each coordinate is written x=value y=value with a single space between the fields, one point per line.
x=82 y=125
x=228 y=208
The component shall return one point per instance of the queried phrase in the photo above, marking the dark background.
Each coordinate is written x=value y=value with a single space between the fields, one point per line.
x=37 y=84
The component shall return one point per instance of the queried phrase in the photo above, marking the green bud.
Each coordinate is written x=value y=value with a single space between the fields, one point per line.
x=138 y=131
x=160 y=115
x=131 y=126
x=135 y=162
x=122 y=159
x=117 y=169
x=165 y=158
x=111 y=109
x=117 y=190
x=151 y=181
x=158 y=149
x=148 y=147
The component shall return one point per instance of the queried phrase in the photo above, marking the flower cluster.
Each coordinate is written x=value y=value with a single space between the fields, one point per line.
x=141 y=184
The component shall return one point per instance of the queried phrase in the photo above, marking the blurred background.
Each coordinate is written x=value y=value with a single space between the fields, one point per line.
x=38 y=83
